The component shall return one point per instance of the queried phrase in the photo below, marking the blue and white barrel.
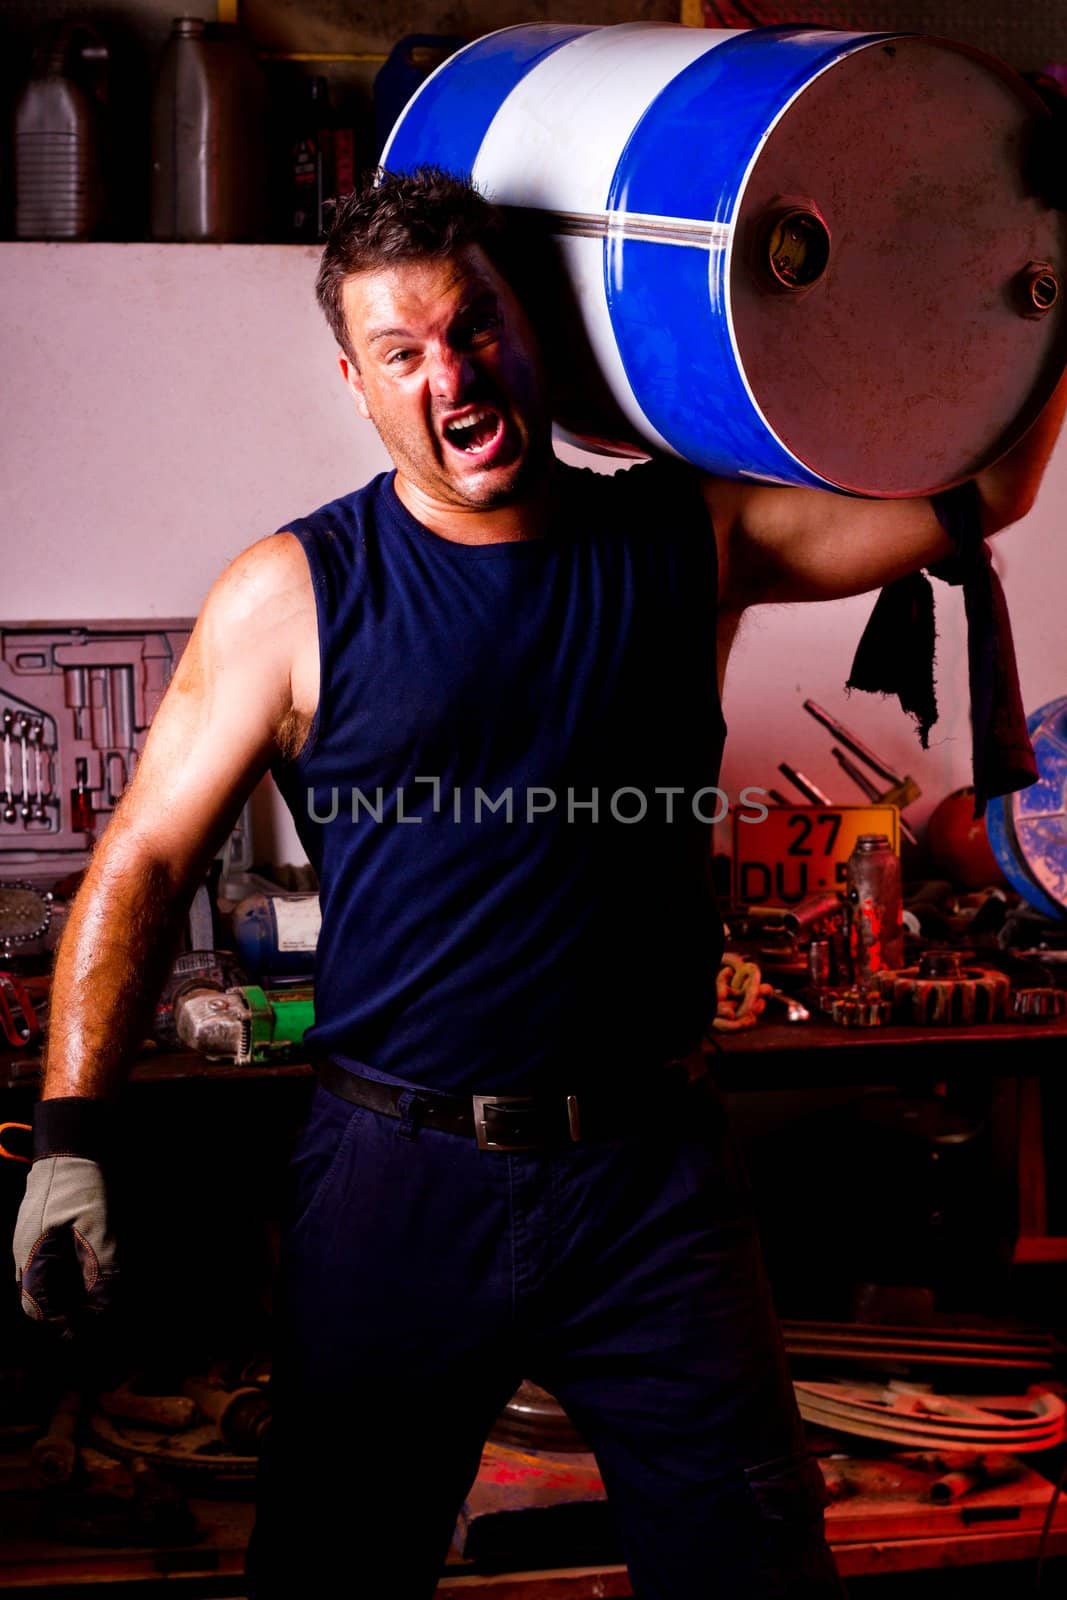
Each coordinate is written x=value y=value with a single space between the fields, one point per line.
x=793 y=254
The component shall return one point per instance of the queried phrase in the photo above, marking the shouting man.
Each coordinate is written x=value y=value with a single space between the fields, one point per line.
x=488 y=685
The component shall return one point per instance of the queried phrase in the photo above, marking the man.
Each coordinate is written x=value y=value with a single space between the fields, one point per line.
x=488 y=686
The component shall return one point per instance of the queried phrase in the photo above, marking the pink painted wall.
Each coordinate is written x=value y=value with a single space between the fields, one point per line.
x=163 y=406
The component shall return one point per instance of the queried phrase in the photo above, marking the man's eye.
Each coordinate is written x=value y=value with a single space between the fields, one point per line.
x=399 y=355
x=482 y=328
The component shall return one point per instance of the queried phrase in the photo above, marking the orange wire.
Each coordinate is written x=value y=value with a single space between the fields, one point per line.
x=9 y=1155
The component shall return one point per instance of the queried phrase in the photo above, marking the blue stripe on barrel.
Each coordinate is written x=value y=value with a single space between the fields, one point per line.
x=669 y=306
x=445 y=123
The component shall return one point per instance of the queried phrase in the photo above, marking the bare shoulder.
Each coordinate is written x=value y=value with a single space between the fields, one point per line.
x=269 y=583
x=268 y=589
x=255 y=640
x=272 y=580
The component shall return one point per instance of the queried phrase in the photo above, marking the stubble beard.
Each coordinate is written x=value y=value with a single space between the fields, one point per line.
x=428 y=470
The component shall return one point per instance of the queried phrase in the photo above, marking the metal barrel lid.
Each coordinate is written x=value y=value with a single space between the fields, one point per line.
x=904 y=349
x=1028 y=830
x=796 y=254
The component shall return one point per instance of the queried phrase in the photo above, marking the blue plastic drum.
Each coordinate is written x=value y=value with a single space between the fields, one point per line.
x=794 y=254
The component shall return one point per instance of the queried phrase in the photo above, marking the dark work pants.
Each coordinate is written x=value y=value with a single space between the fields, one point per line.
x=423 y=1278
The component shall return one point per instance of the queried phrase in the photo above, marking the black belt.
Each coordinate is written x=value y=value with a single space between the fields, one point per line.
x=524 y=1122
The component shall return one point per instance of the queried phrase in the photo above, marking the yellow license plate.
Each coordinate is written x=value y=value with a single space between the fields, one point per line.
x=800 y=850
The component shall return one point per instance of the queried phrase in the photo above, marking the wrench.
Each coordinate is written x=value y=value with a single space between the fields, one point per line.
x=26 y=809
x=9 y=812
x=36 y=736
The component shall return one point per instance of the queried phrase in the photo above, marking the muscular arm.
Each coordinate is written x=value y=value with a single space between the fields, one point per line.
x=796 y=544
x=211 y=740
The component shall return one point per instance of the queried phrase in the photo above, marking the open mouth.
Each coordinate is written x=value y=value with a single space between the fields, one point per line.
x=476 y=431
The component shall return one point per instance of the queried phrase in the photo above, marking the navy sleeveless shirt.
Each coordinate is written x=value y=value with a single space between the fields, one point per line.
x=503 y=791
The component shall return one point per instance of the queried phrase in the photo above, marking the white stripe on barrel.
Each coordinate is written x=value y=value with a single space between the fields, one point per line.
x=555 y=143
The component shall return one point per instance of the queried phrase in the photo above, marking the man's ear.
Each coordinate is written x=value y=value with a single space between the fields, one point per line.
x=351 y=375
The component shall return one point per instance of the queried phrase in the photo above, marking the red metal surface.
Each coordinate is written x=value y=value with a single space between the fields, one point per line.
x=933 y=230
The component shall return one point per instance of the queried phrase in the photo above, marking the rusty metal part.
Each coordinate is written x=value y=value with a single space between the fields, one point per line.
x=796 y=246
x=1038 y=1005
x=856 y=745
x=115 y=1503
x=975 y=1472
x=104 y=1475
x=809 y=790
x=192 y=974
x=916 y=1415
x=814 y=908
x=25 y=912
x=875 y=916
x=858 y=1008
x=196 y=1453
x=942 y=992
x=877 y=1346
x=866 y=785
x=535 y=1420
x=53 y=1456
x=902 y=790
x=872 y=791
x=820 y=964
x=794 y=1009
x=241 y=1415
x=211 y=1023
x=169 y=1411
x=741 y=994
x=1037 y=289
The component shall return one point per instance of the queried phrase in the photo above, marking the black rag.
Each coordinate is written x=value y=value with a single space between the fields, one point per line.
x=896 y=653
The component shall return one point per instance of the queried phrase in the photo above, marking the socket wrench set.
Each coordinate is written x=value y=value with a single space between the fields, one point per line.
x=76 y=700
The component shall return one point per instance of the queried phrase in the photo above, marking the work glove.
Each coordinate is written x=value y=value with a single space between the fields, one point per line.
x=64 y=1250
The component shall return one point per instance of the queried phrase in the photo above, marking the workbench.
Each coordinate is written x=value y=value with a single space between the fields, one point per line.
x=199 y=1105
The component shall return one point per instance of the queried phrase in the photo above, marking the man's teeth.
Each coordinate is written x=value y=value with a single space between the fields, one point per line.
x=458 y=432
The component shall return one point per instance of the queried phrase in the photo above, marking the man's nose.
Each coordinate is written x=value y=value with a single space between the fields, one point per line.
x=450 y=374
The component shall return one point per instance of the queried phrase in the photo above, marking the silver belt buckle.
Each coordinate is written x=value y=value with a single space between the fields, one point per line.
x=481 y=1132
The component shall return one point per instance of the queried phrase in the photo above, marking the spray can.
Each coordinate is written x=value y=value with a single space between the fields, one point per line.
x=875 y=909
x=310 y=164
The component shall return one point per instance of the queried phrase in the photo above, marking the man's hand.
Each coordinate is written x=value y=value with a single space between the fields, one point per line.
x=64 y=1251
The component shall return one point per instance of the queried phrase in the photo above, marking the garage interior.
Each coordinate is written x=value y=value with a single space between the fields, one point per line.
x=170 y=400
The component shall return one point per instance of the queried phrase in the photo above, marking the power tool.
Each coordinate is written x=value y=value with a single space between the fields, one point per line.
x=246 y=1024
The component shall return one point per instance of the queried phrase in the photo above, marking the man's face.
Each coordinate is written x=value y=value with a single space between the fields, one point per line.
x=447 y=369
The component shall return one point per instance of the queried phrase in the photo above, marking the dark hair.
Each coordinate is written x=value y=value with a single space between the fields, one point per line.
x=421 y=215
